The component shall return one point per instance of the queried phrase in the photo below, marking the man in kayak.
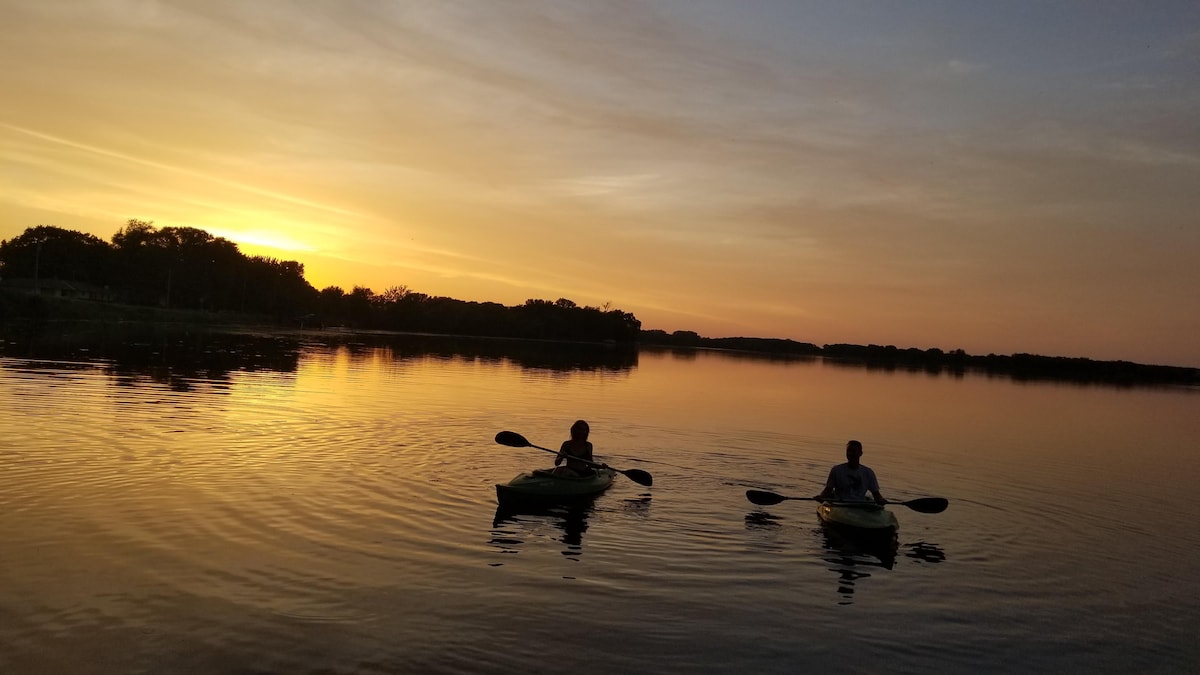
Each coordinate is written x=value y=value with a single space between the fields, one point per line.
x=577 y=447
x=850 y=482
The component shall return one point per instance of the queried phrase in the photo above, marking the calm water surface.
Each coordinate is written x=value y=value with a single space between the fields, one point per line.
x=255 y=504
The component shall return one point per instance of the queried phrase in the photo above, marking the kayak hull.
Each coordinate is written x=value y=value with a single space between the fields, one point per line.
x=542 y=486
x=861 y=516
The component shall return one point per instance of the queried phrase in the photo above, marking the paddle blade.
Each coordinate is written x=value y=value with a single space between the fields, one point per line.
x=638 y=476
x=764 y=498
x=928 y=504
x=513 y=439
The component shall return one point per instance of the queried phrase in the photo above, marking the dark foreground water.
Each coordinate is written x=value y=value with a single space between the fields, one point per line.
x=257 y=504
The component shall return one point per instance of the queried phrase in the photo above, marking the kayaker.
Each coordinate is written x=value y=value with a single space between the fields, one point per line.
x=578 y=447
x=851 y=481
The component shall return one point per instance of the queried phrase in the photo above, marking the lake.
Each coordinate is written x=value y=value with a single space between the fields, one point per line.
x=325 y=503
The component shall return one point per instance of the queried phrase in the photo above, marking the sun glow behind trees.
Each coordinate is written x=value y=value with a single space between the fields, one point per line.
x=184 y=267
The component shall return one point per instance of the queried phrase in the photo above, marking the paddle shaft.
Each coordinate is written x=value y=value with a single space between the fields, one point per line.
x=513 y=439
x=851 y=505
x=922 y=504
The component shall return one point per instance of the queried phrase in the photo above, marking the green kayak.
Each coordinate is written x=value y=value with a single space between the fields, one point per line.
x=859 y=515
x=543 y=486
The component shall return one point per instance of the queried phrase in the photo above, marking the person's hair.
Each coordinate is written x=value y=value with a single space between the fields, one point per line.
x=854 y=445
x=580 y=430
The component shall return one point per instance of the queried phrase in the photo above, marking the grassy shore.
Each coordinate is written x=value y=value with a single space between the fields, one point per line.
x=26 y=309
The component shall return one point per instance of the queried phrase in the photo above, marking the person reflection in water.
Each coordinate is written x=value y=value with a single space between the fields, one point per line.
x=850 y=482
x=575 y=448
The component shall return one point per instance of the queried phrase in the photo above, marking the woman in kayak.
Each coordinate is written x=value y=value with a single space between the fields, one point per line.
x=850 y=482
x=577 y=447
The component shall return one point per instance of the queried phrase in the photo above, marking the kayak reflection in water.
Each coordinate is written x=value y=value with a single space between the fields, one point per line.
x=851 y=481
x=514 y=527
x=577 y=447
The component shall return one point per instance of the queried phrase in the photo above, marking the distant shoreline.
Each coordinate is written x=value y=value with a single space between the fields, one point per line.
x=22 y=312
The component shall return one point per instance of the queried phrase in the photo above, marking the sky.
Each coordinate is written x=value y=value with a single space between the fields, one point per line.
x=1003 y=177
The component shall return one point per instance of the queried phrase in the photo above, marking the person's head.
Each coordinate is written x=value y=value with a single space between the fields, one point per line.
x=853 y=452
x=580 y=430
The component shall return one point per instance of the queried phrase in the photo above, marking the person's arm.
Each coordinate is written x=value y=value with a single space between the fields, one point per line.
x=562 y=454
x=873 y=488
x=828 y=491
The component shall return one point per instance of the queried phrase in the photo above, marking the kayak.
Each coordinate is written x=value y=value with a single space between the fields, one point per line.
x=543 y=486
x=858 y=515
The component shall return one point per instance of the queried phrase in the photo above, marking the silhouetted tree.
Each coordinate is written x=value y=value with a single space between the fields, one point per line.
x=49 y=252
x=187 y=267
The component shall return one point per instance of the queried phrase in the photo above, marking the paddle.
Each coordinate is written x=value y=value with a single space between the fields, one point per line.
x=513 y=439
x=922 y=504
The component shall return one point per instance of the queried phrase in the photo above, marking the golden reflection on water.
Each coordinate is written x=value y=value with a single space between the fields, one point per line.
x=914 y=410
x=227 y=511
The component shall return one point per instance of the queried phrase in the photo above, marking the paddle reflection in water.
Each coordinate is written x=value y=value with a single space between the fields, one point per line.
x=761 y=520
x=638 y=506
x=765 y=529
x=923 y=551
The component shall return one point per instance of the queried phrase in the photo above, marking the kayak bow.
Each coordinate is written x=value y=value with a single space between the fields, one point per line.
x=859 y=515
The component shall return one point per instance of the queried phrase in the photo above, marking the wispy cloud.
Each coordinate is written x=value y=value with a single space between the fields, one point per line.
x=846 y=161
x=126 y=158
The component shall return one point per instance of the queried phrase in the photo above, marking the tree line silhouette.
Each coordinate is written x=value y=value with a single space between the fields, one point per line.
x=1020 y=367
x=188 y=268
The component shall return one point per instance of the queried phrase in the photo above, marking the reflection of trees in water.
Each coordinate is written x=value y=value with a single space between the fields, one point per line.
x=156 y=354
x=933 y=362
x=183 y=360
x=180 y=358
x=527 y=354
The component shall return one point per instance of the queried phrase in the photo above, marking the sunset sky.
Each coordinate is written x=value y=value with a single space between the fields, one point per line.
x=998 y=177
